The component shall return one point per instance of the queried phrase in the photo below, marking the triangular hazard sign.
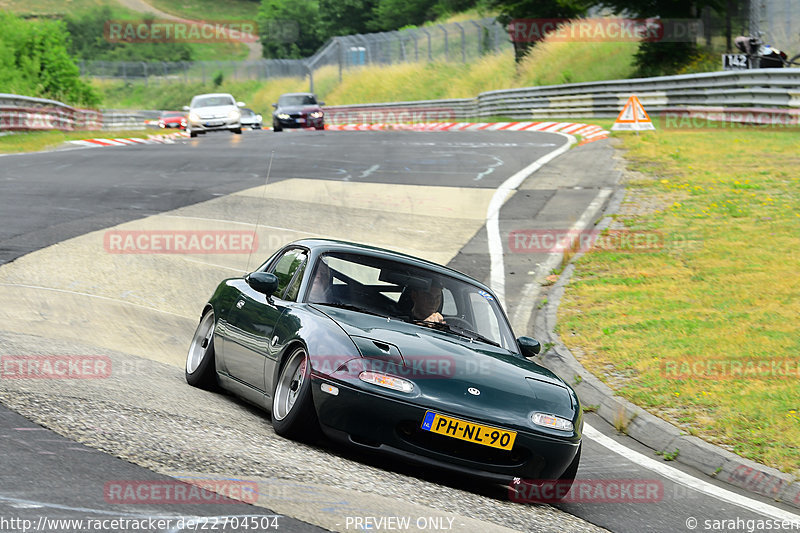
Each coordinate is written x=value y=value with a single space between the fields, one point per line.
x=633 y=117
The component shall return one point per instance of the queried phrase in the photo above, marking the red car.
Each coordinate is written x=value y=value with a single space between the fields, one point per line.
x=172 y=119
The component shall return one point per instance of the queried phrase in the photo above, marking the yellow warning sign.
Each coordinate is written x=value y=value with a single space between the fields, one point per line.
x=633 y=117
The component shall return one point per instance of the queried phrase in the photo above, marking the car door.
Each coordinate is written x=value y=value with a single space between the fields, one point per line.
x=253 y=319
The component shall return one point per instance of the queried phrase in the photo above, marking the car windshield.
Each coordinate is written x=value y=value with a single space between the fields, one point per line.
x=171 y=114
x=296 y=99
x=247 y=112
x=211 y=101
x=408 y=292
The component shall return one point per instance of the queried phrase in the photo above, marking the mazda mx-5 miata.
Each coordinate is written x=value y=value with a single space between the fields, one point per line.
x=392 y=354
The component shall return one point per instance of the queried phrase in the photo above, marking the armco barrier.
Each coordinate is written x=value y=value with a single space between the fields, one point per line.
x=24 y=113
x=771 y=88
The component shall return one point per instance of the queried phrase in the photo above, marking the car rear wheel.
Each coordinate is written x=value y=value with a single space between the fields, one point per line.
x=293 y=414
x=192 y=134
x=200 y=367
x=237 y=131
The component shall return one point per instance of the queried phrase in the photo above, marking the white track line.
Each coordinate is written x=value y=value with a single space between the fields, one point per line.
x=498 y=286
x=524 y=309
x=687 y=480
x=497 y=276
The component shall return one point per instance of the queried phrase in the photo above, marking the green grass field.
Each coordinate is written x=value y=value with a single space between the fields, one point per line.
x=36 y=141
x=704 y=331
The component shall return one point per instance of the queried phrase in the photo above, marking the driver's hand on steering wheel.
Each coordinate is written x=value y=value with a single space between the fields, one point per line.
x=435 y=317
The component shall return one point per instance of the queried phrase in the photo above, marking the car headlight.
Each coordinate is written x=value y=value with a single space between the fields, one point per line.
x=386 y=381
x=194 y=117
x=316 y=114
x=283 y=116
x=258 y=118
x=234 y=114
x=551 y=421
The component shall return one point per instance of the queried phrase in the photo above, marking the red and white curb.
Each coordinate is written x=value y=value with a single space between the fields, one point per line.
x=587 y=132
x=127 y=141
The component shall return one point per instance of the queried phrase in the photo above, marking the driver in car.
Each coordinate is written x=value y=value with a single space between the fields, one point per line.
x=426 y=304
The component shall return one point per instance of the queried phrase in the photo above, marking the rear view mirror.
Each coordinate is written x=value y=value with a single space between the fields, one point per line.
x=529 y=347
x=321 y=103
x=275 y=106
x=241 y=104
x=186 y=108
x=262 y=282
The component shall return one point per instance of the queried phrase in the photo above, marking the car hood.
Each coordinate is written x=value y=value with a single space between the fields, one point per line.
x=298 y=109
x=214 y=110
x=445 y=367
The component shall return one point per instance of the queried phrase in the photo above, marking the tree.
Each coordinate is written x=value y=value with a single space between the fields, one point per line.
x=537 y=9
x=34 y=62
x=346 y=17
x=290 y=28
x=659 y=58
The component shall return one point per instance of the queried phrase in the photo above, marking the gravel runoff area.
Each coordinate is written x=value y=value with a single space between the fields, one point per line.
x=145 y=413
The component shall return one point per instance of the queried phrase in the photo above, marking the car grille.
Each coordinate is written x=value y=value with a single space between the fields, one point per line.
x=410 y=432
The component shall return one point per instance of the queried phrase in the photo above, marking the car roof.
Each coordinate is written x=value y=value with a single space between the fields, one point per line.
x=299 y=94
x=212 y=94
x=332 y=245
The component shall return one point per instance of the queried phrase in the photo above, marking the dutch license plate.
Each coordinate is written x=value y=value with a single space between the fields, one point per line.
x=301 y=121
x=468 y=431
x=214 y=123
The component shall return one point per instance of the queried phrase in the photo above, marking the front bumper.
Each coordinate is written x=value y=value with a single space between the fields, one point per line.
x=300 y=122
x=214 y=125
x=391 y=426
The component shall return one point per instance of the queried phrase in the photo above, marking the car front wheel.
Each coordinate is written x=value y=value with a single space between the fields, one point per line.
x=200 y=366
x=293 y=414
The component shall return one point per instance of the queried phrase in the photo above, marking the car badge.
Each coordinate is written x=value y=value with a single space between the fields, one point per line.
x=474 y=391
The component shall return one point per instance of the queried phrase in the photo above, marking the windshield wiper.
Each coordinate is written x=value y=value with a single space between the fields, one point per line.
x=475 y=335
x=461 y=332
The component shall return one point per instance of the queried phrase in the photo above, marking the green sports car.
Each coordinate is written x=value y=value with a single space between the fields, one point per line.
x=392 y=354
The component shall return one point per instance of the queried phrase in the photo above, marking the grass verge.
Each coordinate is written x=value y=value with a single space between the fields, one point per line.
x=36 y=141
x=704 y=331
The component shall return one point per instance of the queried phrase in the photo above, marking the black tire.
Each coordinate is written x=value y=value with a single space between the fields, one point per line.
x=794 y=62
x=237 y=131
x=548 y=491
x=192 y=134
x=293 y=414
x=276 y=127
x=568 y=477
x=319 y=128
x=200 y=370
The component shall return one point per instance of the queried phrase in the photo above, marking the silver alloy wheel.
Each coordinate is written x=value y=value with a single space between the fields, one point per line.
x=201 y=342
x=290 y=383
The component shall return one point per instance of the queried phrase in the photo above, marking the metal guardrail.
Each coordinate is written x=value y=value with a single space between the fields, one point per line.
x=24 y=113
x=770 y=88
x=763 y=88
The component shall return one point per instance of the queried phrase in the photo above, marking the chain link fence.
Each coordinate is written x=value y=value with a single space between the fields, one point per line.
x=453 y=42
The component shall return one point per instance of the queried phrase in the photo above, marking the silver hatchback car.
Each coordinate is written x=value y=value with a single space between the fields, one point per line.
x=214 y=112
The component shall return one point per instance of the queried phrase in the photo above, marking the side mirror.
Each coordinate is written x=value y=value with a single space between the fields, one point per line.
x=321 y=103
x=275 y=106
x=241 y=104
x=262 y=282
x=529 y=347
x=186 y=108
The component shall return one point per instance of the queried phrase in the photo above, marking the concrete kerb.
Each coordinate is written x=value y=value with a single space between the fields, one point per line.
x=648 y=429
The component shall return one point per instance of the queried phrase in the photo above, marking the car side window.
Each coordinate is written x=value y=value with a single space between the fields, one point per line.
x=286 y=267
